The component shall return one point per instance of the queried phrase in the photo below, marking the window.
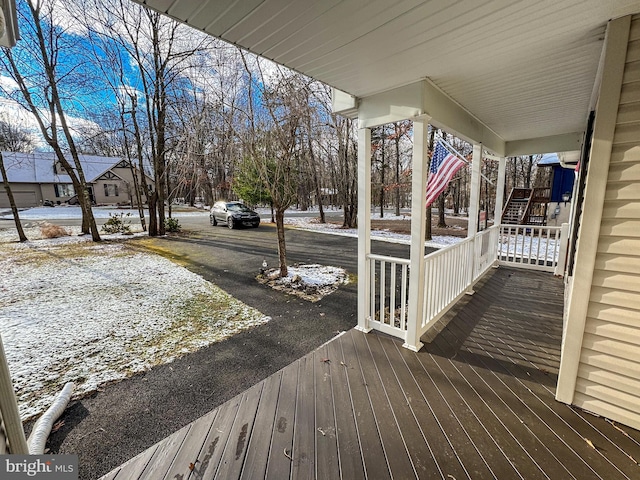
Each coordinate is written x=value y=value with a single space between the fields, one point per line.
x=110 y=190
x=64 y=190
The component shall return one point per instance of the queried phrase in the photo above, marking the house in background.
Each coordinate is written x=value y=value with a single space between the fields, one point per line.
x=36 y=177
x=562 y=180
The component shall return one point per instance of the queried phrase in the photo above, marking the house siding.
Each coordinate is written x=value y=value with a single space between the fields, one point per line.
x=608 y=380
x=25 y=195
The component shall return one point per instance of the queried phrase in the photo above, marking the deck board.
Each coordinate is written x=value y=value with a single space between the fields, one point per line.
x=279 y=462
x=390 y=433
x=476 y=402
x=190 y=449
x=303 y=463
x=353 y=420
x=234 y=454
x=326 y=446
x=255 y=464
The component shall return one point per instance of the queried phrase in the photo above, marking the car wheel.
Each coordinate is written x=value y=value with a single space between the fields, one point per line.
x=214 y=222
x=230 y=223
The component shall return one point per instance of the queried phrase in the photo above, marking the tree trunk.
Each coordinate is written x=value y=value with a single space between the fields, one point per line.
x=441 y=219
x=282 y=249
x=136 y=187
x=153 y=219
x=12 y=203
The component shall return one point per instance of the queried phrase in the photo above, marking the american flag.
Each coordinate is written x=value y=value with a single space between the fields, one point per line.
x=444 y=166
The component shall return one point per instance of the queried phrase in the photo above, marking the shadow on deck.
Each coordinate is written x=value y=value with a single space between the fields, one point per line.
x=476 y=402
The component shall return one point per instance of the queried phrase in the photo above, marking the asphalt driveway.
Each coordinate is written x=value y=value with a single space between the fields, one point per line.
x=125 y=418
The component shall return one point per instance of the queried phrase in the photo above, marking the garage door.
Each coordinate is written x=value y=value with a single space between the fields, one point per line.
x=23 y=199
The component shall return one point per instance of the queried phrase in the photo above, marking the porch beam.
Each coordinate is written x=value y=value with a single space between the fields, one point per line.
x=567 y=142
x=364 y=229
x=594 y=194
x=425 y=98
x=418 y=226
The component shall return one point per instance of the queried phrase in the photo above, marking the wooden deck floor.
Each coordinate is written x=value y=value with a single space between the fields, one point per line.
x=477 y=402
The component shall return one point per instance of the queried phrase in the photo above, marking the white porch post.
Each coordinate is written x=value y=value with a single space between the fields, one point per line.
x=9 y=409
x=497 y=212
x=474 y=198
x=474 y=207
x=418 y=225
x=364 y=229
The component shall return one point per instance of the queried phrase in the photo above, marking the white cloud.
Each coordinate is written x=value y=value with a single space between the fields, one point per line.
x=8 y=84
x=11 y=111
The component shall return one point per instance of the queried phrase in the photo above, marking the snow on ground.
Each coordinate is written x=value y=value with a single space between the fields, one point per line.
x=529 y=247
x=96 y=313
x=306 y=223
x=60 y=212
x=311 y=282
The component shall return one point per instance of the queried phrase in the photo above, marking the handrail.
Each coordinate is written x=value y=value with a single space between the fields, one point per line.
x=384 y=258
x=506 y=205
x=525 y=215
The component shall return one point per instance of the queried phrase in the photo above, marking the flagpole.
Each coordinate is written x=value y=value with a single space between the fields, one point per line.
x=452 y=150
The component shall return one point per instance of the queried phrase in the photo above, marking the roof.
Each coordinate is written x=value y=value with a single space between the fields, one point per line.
x=523 y=69
x=549 y=159
x=37 y=167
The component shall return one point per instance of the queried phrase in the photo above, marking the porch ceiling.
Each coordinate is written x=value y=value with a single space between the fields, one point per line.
x=525 y=69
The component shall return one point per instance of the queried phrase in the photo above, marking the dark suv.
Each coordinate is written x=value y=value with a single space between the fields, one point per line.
x=234 y=214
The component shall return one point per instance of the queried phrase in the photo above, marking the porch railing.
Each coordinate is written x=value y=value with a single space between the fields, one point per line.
x=451 y=272
x=389 y=294
x=535 y=247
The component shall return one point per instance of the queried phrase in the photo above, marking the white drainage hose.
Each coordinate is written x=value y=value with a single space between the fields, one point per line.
x=42 y=428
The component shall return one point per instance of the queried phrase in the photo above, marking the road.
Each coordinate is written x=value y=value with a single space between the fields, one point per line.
x=125 y=418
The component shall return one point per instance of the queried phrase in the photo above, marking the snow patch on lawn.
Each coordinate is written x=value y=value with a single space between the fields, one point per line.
x=97 y=313
x=311 y=282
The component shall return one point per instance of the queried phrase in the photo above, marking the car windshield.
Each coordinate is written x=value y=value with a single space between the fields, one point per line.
x=237 y=207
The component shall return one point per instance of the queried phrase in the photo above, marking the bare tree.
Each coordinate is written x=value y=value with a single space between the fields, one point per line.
x=12 y=202
x=13 y=138
x=37 y=68
x=274 y=141
x=160 y=50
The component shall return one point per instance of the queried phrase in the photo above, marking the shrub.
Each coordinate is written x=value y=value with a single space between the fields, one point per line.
x=172 y=225
x=49 y=230
x=117 y=223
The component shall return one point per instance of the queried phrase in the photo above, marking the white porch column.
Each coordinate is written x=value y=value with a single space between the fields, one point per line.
x=474 y=198
x=364 y=229
x=497 y=212
x=9 y=410
x=474 y=207
x=418 y=225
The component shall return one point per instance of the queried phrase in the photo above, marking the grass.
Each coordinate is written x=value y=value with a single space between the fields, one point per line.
x=95 y=313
